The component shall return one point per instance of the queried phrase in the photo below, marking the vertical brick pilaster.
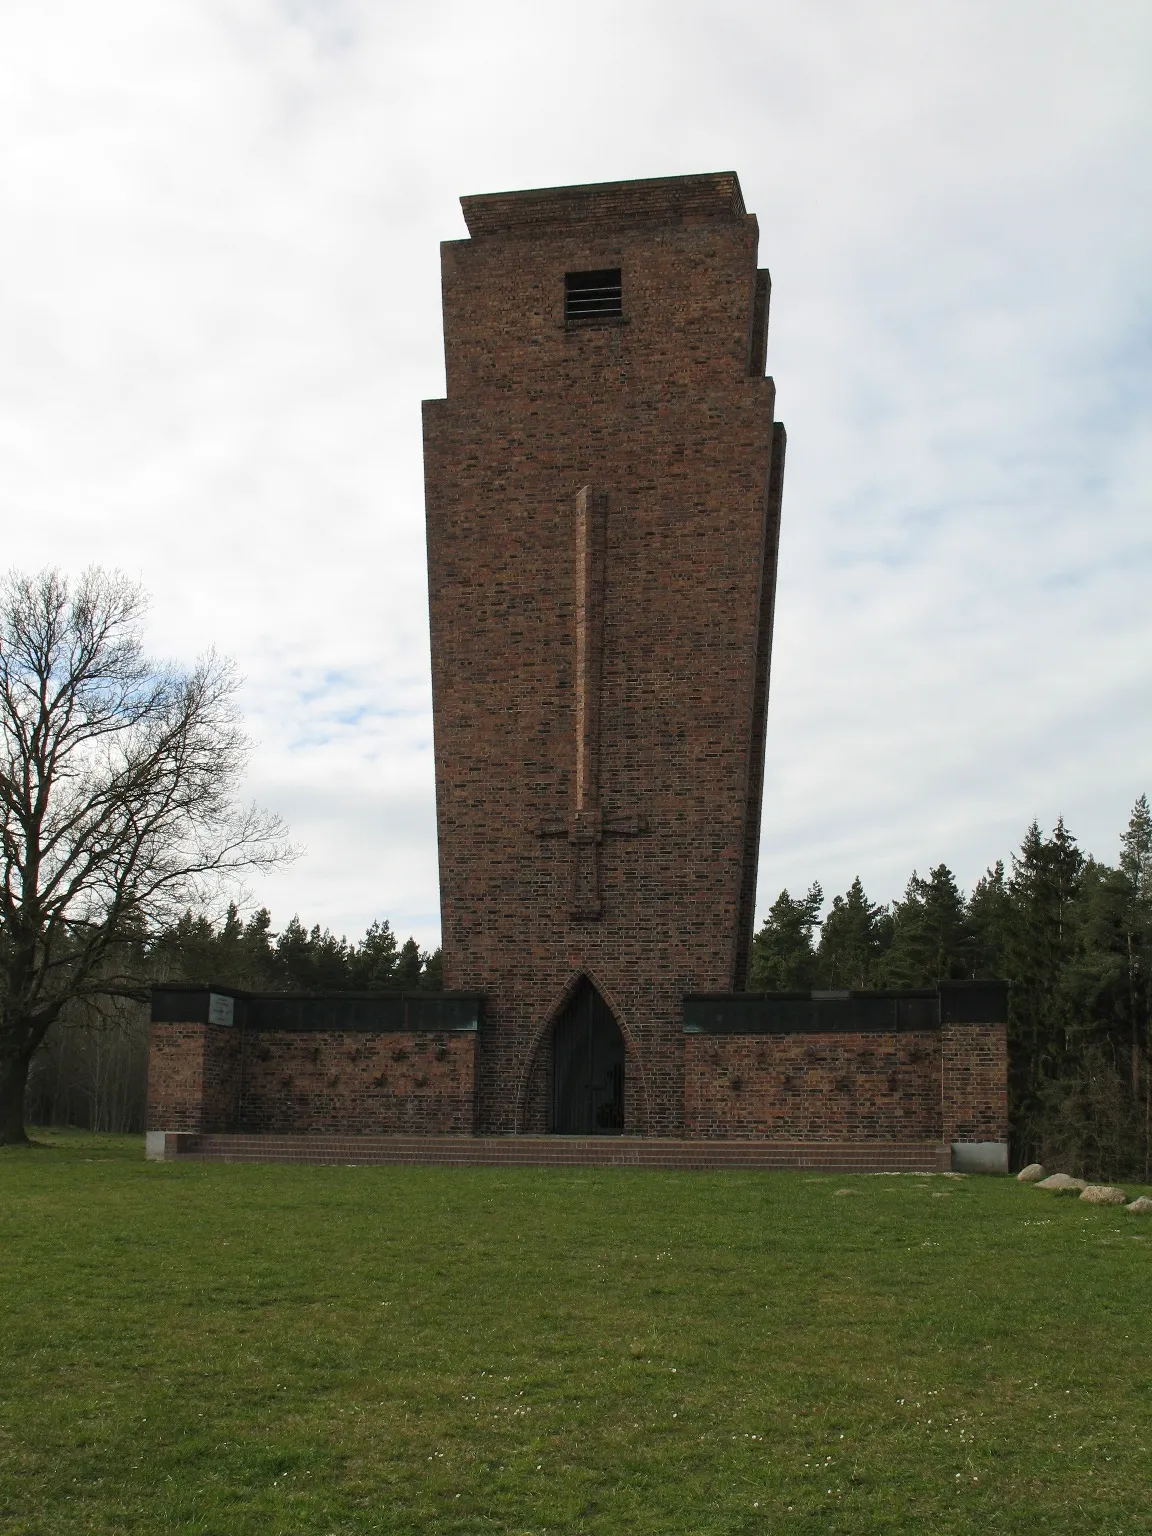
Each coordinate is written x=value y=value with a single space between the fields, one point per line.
x=176 y=1077
x=974 y=1082
x=193 y=1077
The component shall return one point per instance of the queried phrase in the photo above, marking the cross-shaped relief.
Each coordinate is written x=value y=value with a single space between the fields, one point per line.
x=588 y=826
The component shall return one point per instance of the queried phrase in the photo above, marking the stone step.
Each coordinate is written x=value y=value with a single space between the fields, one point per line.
x=562 y=1152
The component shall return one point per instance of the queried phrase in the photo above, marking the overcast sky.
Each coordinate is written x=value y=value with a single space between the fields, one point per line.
x=219 y=312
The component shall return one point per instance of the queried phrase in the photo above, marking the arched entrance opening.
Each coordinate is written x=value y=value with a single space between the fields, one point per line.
x=587 y=1067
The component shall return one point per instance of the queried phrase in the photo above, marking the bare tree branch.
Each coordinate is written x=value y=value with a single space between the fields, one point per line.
x=118 y=801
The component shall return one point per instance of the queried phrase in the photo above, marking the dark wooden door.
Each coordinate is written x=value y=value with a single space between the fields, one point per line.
x=588 y=1067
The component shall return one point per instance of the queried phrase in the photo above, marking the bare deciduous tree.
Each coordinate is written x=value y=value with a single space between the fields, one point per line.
x=118 y=784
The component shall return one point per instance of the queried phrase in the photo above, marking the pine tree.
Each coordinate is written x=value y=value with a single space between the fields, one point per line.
x=931 y=940
x=1136 y=872
x=312 y=961
x=989 y=921
x=783 y=956
x=409 y=967
x=855 y=935
x=433 y=978
x=1045 y=881
x=372 y=965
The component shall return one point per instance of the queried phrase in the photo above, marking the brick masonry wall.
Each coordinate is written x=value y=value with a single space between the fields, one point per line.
x=208 y=1078
x=946 y=1086
x=974 y=1082
x=359 y=1083
x=193 y=1078
x=176 y=1077
x=669 y=417
x=828 y=1087
x=222 y=1054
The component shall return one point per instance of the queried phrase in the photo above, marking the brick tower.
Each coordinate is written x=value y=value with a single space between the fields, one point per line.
x=603 y=489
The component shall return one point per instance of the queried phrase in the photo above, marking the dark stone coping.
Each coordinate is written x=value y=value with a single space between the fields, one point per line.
x=804 y=1013
x=420 y=1013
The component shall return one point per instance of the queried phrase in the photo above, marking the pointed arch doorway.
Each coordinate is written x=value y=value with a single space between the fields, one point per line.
x=587 y=1067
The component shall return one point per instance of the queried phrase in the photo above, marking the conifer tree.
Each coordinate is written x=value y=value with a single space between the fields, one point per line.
x=783 y=955
x=409 y=966
x=1136 y=871
x=1044 y=884
x=373 y=964
x=931 y=940
x=854 y=938
x=989 y=918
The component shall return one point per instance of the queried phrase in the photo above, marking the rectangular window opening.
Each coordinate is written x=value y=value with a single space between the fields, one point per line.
x=593 y=295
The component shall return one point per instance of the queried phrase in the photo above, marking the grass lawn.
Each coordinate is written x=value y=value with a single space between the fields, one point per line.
x=232 y=1349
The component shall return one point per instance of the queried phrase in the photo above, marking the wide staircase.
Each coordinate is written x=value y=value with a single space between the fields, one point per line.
x=559 y=1152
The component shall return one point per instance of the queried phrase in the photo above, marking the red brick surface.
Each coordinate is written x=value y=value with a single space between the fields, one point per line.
x=668 y=416
x=360 y=1083
x=843 y=1087
x=295 y=1083
x=192 y=1077
x=568 y=1152
x=974 y=1082
x=603 y=506
x=852 y=1090
x=176 y=1078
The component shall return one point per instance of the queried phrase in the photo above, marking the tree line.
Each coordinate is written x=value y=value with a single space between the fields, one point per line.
x=1073 y=936
x=297 y=959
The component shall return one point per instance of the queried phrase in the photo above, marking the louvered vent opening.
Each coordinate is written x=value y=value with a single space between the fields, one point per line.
x=593 y=295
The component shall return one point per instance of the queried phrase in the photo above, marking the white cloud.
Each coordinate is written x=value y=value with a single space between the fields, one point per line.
x=220 y=311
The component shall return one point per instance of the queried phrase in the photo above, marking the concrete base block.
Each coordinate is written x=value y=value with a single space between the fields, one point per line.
x=162 y=1146
x=979 y=1157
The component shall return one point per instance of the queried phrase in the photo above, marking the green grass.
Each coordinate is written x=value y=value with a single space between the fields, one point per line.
x=229 y=1349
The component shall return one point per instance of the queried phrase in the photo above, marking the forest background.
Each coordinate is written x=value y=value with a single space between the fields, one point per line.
x=1071 y=934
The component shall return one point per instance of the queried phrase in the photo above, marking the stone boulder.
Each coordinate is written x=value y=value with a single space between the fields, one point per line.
x=1031 y=1175
x=1142 y=1206
x=1103 y=1194
x=1062 y=1184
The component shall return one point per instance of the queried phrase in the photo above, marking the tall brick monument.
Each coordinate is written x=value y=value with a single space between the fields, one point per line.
x=603 y=489
x=603 y=498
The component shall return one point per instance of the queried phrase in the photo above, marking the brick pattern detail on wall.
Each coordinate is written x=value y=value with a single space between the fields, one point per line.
x=946 y=1085
x=661 y=414
x=567 y=1152
x=203 y=1078
x=974 y=1082
x=362 y=1083
x=831 y=1087
x=193 y=1077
